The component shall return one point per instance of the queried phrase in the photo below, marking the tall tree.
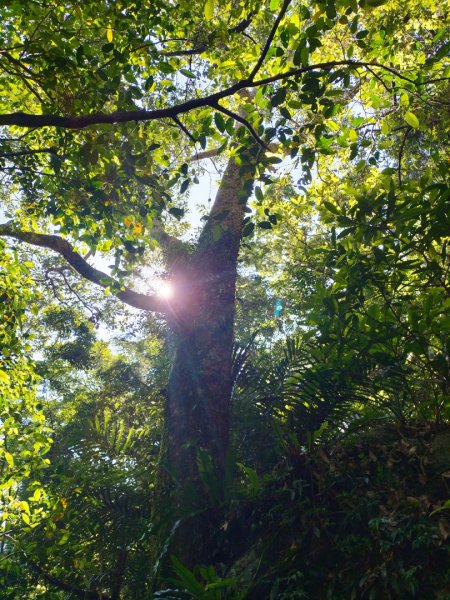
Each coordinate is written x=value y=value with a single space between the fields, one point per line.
x=108 y=111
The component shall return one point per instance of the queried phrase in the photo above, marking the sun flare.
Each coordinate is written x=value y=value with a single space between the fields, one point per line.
x=164 y=289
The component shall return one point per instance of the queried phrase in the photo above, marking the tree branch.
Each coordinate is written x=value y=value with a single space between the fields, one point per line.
x=205 y=154
x=190 y=52
x=29 y=152
x=269 y=40
x=21 y=119
x=241 y=120
x=239 y=28
x=171 y=244
x=228 y=210
x=184 y=129
x=77 y=262
x=327 y=66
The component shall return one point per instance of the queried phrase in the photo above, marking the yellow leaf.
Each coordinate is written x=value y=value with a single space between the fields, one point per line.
x=333 y=126
x=4 y=377
x=137 y=229
x=412 y=120
x=109 y=33
x=209 y=9
x=26 y=518
x=9 y=459
x=128 y=221
x=37 y=495
x=24 y=506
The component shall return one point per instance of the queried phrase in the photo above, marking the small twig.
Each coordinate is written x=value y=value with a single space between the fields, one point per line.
x=25 y=81
x=67 y=587
x=191 y=52
x=184 y=129
x=269 y=40
x=423 y=100
x=400 y=155
x=243 y=121
x=433 y=80
x=249 y=37
x=20 y=65
x=380 y=79
x=77 y=295
x=239 y=28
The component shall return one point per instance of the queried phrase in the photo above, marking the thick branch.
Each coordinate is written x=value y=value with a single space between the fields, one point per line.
x=328 y=66
x=21 y=119
x=205 y=154
x=228 y=209
x=77 y=262
x=171 y=244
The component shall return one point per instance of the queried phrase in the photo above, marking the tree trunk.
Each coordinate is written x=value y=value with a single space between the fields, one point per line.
x=197 y=413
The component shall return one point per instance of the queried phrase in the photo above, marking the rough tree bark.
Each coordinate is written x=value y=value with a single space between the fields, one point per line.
x=198 y=404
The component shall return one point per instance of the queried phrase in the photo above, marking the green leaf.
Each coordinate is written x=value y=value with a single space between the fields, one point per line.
x=221 y=584
x=412 y=120
x=249 y=228
x=219 y=121
x=265 y=225
x=184 y=186
x=188 y=578
x=304 y=56
x=373 y=3
x=188 y=73
x=279 y=97
x=259 y=193
x=4 y=377
x=285 y=113
x=331 y=207
x=176 y=212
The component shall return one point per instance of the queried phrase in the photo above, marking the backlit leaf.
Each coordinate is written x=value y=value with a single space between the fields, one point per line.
x=412 y=120
x=209 y=9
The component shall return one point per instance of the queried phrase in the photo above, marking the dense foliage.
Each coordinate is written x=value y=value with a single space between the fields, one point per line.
x=144 y=452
